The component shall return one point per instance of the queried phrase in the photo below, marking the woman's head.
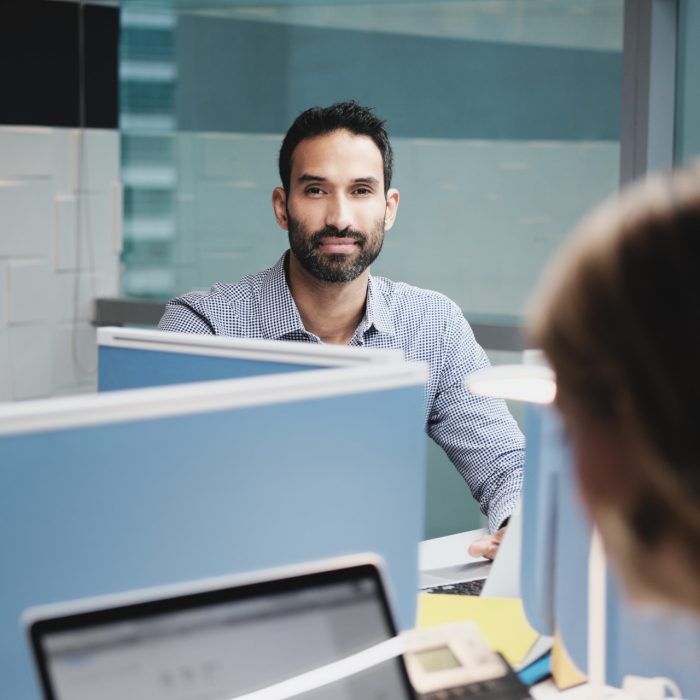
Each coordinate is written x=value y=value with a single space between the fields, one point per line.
x=618 y=316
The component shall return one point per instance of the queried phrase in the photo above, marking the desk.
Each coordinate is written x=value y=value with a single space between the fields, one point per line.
x=445 y=560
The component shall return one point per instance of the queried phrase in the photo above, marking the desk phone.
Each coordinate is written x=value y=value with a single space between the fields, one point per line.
x=454 y=661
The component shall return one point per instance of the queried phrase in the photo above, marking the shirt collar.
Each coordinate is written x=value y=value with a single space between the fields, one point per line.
x=279 y=313
x=377 y=311
x=280 y=316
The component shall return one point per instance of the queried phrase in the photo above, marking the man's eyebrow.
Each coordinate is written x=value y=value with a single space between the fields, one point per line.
x=370 y=179
x=308 y=177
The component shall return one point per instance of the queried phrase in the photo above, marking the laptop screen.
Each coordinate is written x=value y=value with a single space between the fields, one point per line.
x=217 y=644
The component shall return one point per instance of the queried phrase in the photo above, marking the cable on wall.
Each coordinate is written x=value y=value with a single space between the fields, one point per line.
x=85 y=366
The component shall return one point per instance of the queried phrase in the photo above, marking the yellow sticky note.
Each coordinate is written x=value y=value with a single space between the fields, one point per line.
x=501 y=621
x=564 y=672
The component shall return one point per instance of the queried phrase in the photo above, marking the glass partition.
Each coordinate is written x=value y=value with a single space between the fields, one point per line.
x=504 y=116
x=688 y=82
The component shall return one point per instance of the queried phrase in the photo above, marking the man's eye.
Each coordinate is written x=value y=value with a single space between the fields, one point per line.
x=362 y=191
x=314 y=190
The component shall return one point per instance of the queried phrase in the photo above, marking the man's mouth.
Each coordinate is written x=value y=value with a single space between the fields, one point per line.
x=334 y=244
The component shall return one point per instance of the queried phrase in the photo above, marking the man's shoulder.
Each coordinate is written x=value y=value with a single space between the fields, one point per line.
x=229 y=308
x=400 y=295
x=226 y=293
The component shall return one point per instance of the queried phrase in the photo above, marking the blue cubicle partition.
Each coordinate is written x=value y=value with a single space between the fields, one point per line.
x=542 y=457
x=132 y=489
x=556 y=546
x=135 y=358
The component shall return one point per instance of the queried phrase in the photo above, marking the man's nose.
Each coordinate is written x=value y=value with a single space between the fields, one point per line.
x=339 y=213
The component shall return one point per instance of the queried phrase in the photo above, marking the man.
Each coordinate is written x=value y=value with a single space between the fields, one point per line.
x=336 y=202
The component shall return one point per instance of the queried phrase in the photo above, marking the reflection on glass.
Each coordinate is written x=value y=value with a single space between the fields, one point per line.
x=148 y=80
x=504 y=115
x=688 y=82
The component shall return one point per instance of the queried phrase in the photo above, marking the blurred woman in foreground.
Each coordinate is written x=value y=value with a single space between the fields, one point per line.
x=618 y=317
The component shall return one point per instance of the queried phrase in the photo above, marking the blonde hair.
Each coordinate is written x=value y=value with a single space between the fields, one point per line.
x=618 y=316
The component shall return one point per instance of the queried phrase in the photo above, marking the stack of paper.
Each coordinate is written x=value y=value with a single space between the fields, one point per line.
x=501 y=621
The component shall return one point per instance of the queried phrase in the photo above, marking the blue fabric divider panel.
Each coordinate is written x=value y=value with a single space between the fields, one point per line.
x=556 y=541
x=539 y=517
x=572 y=551
x=131 y=368
x=94 y=510
x=644 y=641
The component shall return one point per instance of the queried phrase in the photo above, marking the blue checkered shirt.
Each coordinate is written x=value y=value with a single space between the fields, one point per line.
x=478 y=434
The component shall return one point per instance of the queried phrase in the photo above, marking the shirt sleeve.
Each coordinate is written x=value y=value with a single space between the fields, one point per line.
x=181 y=317
x=478 y=434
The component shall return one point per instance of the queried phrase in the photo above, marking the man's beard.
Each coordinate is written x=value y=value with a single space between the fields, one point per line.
x=334 y=267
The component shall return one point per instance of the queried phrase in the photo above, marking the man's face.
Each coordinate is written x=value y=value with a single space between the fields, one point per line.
x=336 y=211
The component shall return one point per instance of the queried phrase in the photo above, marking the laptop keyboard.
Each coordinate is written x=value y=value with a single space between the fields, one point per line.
x=462 y=588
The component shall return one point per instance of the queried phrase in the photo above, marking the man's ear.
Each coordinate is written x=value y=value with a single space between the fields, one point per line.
x=279 y=205
x=392 y=206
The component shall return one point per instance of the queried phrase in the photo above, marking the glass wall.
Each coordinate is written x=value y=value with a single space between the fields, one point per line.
x=148 y=82
x=504 y=116
x=688 y=82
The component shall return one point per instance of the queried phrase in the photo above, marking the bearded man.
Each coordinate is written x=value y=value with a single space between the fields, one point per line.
x=336 y=203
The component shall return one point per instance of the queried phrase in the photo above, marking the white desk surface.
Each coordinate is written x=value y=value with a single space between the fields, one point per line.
x=548 y=691
x=444 y=560
x=450 y=550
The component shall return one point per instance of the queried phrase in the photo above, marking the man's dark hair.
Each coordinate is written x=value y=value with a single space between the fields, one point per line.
x=318 y=121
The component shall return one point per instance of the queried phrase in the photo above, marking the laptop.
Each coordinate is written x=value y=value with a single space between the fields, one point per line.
x=220 y=638
x=446 y=567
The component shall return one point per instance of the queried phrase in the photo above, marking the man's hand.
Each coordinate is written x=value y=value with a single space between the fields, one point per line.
x=487 y=546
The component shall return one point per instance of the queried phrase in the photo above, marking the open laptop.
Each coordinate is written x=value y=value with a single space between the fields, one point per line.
x=220 y=638
x=450 y=569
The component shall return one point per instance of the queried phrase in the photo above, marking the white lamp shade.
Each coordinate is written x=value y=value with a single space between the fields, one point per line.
x=532 y=383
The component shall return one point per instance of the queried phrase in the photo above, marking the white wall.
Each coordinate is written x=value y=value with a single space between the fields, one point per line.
x=60 y=239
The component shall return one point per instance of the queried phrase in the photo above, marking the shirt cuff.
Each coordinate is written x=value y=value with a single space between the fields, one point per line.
x=500 y=511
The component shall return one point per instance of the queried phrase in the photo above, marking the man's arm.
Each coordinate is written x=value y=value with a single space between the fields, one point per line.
x=478 y=434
